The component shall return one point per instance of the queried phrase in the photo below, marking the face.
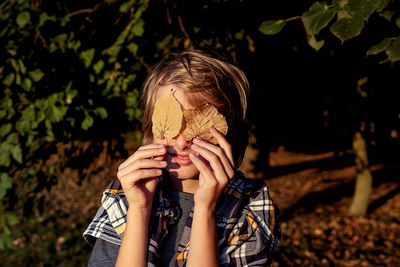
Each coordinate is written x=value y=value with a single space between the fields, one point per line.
x=178 y=149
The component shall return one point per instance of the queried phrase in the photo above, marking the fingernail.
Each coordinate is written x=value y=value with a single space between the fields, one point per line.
x=194 y=146
x=195 y=140
x=163 y=162
x=191 y=155
x=162 y=149
x=158 y=172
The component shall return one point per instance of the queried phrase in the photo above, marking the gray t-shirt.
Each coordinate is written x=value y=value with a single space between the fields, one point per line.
x=185 y=202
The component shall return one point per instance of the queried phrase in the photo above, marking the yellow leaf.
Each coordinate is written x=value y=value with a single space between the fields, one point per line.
x=167 y=117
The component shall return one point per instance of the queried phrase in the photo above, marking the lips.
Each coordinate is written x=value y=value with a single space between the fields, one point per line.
x=180 y=159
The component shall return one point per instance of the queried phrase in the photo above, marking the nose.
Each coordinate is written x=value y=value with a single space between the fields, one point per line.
x=181 y=143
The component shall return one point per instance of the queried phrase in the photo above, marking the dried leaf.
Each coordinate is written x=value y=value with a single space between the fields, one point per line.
x=167 y=117
x=198 y=122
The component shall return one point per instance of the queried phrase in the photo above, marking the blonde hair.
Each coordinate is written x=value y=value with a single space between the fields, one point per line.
x=203 y=78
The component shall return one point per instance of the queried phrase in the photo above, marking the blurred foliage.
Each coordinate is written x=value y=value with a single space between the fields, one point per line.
x=60 y=84
x=351 y=17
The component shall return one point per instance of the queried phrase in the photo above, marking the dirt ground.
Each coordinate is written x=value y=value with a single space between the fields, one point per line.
x=313 y=192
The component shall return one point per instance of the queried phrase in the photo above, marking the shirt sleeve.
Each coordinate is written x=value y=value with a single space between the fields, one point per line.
x=104 y=254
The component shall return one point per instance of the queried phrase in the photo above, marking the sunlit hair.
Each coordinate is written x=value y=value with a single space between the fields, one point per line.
x=203 y=78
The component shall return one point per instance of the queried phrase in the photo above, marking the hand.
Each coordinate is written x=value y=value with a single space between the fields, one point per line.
x=215 y=175
x=138 y=174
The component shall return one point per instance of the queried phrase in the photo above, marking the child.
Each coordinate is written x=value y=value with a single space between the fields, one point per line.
x=179 y=199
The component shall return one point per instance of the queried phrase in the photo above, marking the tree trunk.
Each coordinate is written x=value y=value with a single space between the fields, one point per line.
x=363 y=186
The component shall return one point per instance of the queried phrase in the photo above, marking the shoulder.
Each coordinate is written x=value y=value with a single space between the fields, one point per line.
x=255 y=204
x=251 y=189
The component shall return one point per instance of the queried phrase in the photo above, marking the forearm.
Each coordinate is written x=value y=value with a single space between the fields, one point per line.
x=133 y=250
x=203 y=239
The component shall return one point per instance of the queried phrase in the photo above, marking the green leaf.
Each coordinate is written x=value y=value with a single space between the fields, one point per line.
x=87 y=56
x=98 y=66
x=312 y=41
x=11 y=138
x=14 y=65
x=36 y=75
x=165 y=42
x=317 y=17
x=26 y=84
x=55 y=114
x=340 y=2
x=397 y=22
x=6 y=241
x=382 y=4
x=23 y=18
x=380 y=47
x=11 y=218
x=130 y=112
x=16 y=152
x=387 y=14
x=131 y=100
x=124 y=8
x=24 y=123
x=138 y=28
x=347 y=26
x=133 y=48
x=18 y=79
x=362 y=8
x=5 y=184
x=70 y=95
x=138 y=114
x=22 y=66
x=101 y=112
x=5 y=154
x=87 y=122
x=60 y=40
x=8 y=80
x=49 y=131
x=45 y=17
x=5 y=129
x=393 y=51
x=12 y=52
x=271 y=27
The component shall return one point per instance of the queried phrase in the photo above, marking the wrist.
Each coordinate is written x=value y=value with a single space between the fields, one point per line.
x=204 y=209
x=138 y=211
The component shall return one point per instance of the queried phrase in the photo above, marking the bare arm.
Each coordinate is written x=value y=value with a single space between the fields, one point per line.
x=203 y=239
x=133 y=250
x=213 y=178
x=138 y=176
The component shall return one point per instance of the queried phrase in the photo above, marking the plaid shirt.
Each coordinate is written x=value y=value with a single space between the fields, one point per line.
x=248 y=233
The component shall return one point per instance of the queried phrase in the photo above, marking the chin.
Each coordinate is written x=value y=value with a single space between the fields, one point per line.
x=184 y=172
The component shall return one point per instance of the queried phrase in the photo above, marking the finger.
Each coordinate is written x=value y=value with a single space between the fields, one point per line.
x=214 y=161
x=142 y=164
x=223 y=143
x=204 y=170
x=221 y=154
x=132 y=179
x=149 y=146
x=144 y=153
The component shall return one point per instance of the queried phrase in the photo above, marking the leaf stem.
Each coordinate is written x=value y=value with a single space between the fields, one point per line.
x=293 y=18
